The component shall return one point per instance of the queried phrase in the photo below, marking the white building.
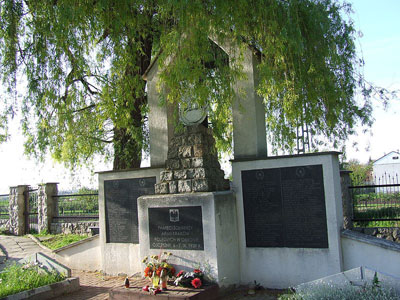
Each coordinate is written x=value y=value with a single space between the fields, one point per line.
x=387 y=168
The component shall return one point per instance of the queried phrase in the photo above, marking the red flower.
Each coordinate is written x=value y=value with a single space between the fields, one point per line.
x=148 y=272
x=158 y=272
x=197 y=271
x=180 y=273
x=196 y=283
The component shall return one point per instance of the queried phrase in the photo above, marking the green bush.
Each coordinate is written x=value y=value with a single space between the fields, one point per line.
x=16 y=278
x=327 y=292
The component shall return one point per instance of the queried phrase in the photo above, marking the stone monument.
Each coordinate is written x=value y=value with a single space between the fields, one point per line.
x=193 y=213
x=192 y=164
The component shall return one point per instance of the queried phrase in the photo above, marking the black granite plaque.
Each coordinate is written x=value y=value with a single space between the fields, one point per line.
x=121 y=207
x=177 y=228
x=285 y=207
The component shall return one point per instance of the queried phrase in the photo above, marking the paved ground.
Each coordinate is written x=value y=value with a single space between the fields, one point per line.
x=14 y=248
x=94 y=286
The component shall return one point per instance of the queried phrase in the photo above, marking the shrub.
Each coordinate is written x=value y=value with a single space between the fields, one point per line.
x=327 y=292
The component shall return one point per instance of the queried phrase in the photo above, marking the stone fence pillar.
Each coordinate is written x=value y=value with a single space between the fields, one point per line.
x=347 y=200
x=47 y=205
x=17 y=209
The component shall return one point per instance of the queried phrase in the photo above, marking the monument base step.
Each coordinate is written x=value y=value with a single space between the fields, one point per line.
x=135 y=292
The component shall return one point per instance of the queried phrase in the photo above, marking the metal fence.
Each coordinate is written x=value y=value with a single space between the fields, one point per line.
x=377 y=202
x=31 y=211
x=4 y=206
x=75 y=207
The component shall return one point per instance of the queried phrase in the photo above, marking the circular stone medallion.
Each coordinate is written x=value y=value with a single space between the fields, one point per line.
x=192 y=115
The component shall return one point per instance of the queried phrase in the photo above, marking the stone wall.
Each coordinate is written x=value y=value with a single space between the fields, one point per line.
x=192 y=164
x=387 y=233
x=79 y=227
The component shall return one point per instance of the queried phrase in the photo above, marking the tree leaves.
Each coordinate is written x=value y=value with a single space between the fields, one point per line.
x=84 y=62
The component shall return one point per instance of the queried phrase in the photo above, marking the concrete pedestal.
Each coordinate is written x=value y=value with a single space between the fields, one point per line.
x=220 y=254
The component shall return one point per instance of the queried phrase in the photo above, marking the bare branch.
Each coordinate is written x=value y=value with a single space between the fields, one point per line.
x=84 y=108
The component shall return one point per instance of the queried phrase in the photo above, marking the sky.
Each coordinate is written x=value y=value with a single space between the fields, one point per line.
x=379 y=23
x=379 y=42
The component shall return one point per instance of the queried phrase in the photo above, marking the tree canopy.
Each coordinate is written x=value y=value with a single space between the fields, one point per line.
x=361 y=174
x=84 y=61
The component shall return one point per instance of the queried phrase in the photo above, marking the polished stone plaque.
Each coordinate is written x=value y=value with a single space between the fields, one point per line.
x=121 y=207
x=176 y=228
x=285 y=207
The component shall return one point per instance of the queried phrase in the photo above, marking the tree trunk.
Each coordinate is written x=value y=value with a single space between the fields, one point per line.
x=128 y=146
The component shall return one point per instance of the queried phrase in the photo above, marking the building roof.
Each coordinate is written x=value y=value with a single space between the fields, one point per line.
x=391 y=157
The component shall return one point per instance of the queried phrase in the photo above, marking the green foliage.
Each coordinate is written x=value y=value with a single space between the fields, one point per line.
x=86 y=203
x=84 y=62
x=373 y=224
x=15 y=279
x=377 y=198
x=327 y=292
x=4 y=207
x=361 y=173
x=372 y=206
x=43 y=233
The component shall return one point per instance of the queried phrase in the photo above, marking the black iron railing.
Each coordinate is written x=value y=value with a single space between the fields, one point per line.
x=4 y=206
x=77 y=206
x=377 y=202
x=31 y=211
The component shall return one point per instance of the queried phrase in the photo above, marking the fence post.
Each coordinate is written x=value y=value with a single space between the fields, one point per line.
x=47 y=205
x=347 y=200
x=17 y=209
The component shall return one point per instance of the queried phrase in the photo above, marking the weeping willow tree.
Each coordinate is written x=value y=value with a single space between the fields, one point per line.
x=83 y=63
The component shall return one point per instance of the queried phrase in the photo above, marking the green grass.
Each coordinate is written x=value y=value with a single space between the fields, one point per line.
x=56 y=241
x=15 y=279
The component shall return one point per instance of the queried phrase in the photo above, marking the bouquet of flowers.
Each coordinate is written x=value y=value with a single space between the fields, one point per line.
x=157 y=268
x=190 y=279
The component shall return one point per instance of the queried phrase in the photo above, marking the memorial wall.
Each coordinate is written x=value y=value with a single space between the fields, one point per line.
x=285 y=207
x=118 y=217
x=280 y=224
x=289 y=218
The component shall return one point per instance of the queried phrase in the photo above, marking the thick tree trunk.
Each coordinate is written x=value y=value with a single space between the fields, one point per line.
x=127 y=151
x=128 y=146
